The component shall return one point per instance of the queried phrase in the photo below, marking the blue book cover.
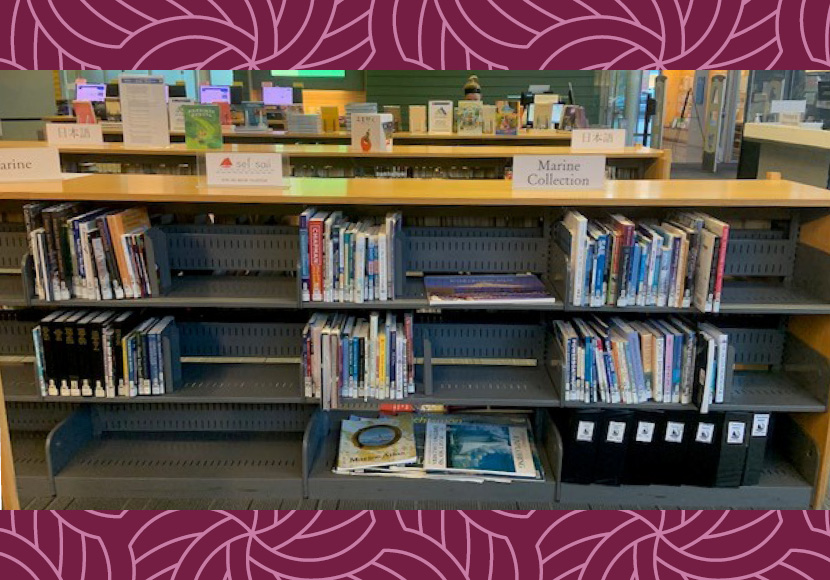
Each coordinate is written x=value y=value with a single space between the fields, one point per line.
x=589 y=264
x=304 y=271
x=487 y=289
x=602 y=259
x=634 y=273
x=641 y=284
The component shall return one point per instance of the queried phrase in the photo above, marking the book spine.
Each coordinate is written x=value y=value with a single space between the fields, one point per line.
x=360 y=267
x=659 y=365
x=98 y=357
x=667 y=369
x=40 y=362
x=383 y=282
x=624 y=268
x=647 y=352
x=665 y=276
x=724 y=241
x=723 y=355
x=341 y=265
x=713 y=272
x=410 y=354
x=103 y=278
x=304 y=258
x=315 y=235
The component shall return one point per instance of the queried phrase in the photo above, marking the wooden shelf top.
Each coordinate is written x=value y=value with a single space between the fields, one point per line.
x=429 y=192
x=398 y=151
x=787 y=135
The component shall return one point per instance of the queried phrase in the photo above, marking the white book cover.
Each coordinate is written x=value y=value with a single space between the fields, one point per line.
x=372 y=132
x=488 y=118
x=176 y=113
x=383 y=288
x=372 y=359
x=577 y=225
x=440 y=117
x=360 y=266
x=701 y=299
x=417 y=119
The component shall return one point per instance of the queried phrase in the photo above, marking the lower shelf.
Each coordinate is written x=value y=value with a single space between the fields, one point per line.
x=781 y=487
x=186 y=465
x=764 y=298
x=30 y=467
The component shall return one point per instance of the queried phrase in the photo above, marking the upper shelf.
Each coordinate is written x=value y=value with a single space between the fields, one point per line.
x=313 y=191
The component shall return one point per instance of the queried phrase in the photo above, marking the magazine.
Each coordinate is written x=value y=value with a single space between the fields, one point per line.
x=372 y=443
x=486 y=289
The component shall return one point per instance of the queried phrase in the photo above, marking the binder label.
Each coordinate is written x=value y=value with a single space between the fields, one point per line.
x=735 y=433
x=585 y=431
x=616 y=432
x=674 y=432
x=705 y=433
x=645 y=432
x=760 y=425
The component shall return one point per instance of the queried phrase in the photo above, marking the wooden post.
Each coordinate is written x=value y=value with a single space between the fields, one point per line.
x=10 y=499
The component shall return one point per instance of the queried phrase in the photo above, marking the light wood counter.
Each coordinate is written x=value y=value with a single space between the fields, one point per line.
x=787 y=134
x=308 y=191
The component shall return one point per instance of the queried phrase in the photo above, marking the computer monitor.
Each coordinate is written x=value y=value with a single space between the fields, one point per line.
x=178 y=91
x=94 y=93
x=556 y=114
x=273 y=96
x=113 y=90
x=214 y=94
x=236 y=94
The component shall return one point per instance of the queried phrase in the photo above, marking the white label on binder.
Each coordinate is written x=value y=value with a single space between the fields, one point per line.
x=616 y=432
x=30 y=164
x=559 y=172
x=705 y=433
x=74 y=134
x=735 y=432
x=645 y=432
x=674 y=432
x=244 y=169
x=598 y=139
x=585 y=431
x=760 y=425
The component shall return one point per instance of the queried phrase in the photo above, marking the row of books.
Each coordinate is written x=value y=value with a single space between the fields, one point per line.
x=433 y=446
x=350 y=357
x=631 y=362
x=95 y=255
x=105 y=354
x=673 y=263
x=621 y=446
x=345 y=261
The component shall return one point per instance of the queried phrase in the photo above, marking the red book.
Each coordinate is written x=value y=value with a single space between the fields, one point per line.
x=315 y=254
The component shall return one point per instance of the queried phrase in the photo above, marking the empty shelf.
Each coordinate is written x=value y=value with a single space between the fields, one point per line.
x=30 y=467
x=768 y=392
x=762 y=297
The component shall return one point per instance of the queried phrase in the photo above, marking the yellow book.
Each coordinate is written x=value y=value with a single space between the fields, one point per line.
x=331 y=119
x=382 y=384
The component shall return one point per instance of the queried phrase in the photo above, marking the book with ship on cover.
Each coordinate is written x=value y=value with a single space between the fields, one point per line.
x=487 y=289
x=374 y=443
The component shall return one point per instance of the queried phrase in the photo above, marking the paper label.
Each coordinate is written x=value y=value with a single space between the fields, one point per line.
x=616 y=432
x=645 y=432
x=585 y=431
x=559 y=172
x=674 y=432
x=735 y=432
x=244 y=169
x=144 y=110
x=760 y=425
x=30 y=164
x=74 y=134
x=598 y=139
x=705 y=433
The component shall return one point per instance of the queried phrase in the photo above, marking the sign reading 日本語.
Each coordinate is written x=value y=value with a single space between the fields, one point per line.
x=74 y=134
x=244 y=169
x=598 y=139
x=558 y=172
x=30 y=164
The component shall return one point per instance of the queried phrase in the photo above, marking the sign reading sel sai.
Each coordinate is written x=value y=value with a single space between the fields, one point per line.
x=244 y=169
x=30 y=164
x=558 y=172
x=598 y=139
x=74 y=134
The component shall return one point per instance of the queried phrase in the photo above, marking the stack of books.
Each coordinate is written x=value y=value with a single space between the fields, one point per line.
x=106 y=354
x=358 y=109
x=349 y=357
x=95 y=255
x=345 y=261
x=304 y=123
x=673 y=263
x=630 y=362
x=446 y=447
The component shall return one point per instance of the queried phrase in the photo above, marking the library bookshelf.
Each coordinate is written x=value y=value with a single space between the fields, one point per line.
x=326 y=160
x=241 y=426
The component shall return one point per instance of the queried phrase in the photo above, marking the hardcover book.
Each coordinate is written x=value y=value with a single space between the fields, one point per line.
x=440 y=117
x=84 y=112
x=470 y=118
x=372 y=132
x=487 y=289
x=417 y=119
x=507 y=117
x=366 y=444
x=202 y=127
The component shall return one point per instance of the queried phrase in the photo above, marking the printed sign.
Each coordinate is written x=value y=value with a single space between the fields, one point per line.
x=645 y=432
x=705 y=433
x=244 y=169
x=616 y=432
x=598 y=139
x=760 y=425
x=585 y=431
x=674 y=432
x=74 y=134
x=735 y=432
x=558 y=172
x=30 y=164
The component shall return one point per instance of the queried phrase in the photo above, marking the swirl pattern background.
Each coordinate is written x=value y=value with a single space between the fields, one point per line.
x=400 y=34
x=431 y=545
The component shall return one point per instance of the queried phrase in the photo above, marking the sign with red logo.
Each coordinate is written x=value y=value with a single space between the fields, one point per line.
x=244 y=169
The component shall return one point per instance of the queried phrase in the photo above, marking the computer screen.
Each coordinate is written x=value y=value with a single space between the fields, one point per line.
x=556 y=113
x=113 y=90
x=236 y=95
x=177 y=91
x=214 y=94
x=94 y=93
x=277 y=95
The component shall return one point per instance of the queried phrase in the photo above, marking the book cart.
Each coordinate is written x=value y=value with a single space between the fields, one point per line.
x=239 y=425
x=420 y=161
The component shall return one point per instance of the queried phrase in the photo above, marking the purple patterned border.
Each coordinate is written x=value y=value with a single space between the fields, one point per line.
x=401 y=34
x=430 y=545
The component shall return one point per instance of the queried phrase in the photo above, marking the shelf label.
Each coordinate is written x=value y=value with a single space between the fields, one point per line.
x=30 y=164
x=645 y=432
x=616 y=432
x=760 y=425
x=559 y=172
x=244 y=169
x=705 y=432
x=735 y=432
x=585 y=431
x=598 y=139
x=674 y=432
x=74 y=134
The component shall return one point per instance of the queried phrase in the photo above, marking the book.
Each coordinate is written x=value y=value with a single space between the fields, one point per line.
x=440 y=117
x=175 y=113
x=202 y=126
x=417 y=119
x=372 y=132
x=486 y=289
x=371 y=443
x=507 y=117
x=254 y=117
x=470 y=118
x=331 y=119
x=488 y=119
x=84 y=113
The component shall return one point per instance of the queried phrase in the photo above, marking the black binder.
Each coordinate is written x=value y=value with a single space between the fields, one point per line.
x=612 y=445
x=641 y=460
x=734 y=443
x=704 y=450
x=580 y=433
x=674 y=434
x=758 y=437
